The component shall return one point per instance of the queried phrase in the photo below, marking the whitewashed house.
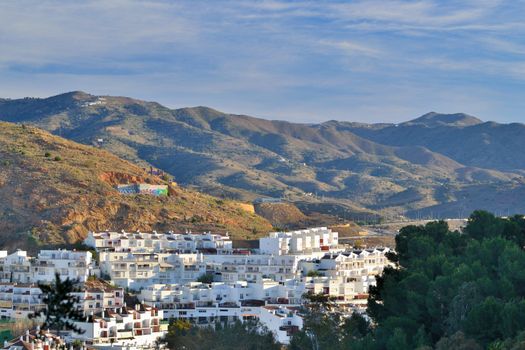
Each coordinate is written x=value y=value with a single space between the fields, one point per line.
x=15 y=267
x=75 y=265
x=139 y=270
x=157 y=242
x=307 y=241
x=19 y=300
x=124 y=328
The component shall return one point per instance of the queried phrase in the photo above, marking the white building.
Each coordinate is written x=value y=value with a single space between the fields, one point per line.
x=124 y=328
x=157 y=242
x=138 y=270
x=19 y=267
x=18 y=300
x=174 y=297
x=205 y=304
x=253 y=268
x=15 y=267
x=75 y=265
x=312 y=240
x=98 y=299
x=282 y=321
x=346 y=276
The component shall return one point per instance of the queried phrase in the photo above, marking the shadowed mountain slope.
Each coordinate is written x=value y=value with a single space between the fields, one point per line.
x=358 y=170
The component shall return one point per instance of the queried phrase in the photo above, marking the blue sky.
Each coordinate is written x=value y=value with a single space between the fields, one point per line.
x=305 y=61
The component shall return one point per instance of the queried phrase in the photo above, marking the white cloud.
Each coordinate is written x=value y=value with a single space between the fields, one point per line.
x=269 y=58
x=351 y=48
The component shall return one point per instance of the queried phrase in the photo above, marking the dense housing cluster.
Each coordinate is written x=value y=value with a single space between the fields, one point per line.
x=201 y=278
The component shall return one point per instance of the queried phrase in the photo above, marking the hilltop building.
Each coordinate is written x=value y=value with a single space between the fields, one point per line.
x=153 y=190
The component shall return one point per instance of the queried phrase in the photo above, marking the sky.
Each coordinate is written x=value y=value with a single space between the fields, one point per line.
x=302 y=61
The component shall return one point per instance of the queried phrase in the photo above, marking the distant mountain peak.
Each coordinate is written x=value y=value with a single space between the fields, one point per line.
x=76 y=95
x=438 y=119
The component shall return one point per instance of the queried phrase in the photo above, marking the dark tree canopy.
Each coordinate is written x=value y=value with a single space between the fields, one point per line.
x=326 y=327
x=62 y=308
x=248 y=335
x=449 y=287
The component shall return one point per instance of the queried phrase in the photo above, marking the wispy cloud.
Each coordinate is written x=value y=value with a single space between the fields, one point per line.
x=304 y=60
x=353 y=48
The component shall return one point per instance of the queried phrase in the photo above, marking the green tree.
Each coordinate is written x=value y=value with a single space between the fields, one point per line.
x=62 y=307
x=447 y=285
x=326 y=326
x=247 y=335
x=314 y=273
x=206 y=278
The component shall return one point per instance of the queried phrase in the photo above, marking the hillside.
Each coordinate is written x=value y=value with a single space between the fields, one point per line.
x=53 y=191
x=437 y=165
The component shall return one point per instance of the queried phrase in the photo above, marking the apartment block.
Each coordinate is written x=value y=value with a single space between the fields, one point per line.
x=157 y=242
x=312 y=240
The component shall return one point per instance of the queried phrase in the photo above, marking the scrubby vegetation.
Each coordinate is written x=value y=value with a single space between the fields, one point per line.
x=444 y=165
x=52 y=191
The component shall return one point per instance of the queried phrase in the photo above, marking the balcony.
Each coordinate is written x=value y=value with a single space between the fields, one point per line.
x=229 y=305
x=185 y=306
x=19 y=269
x=290 y=330
x=142 y=331
x=6 y=304
x=124 y=334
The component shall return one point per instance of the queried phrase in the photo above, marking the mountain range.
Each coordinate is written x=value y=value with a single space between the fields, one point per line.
x=438 y=165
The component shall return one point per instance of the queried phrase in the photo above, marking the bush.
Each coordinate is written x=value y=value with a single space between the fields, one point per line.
x=57 y=159
x=314 y=273
x=205 y=278
x=47 y=155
